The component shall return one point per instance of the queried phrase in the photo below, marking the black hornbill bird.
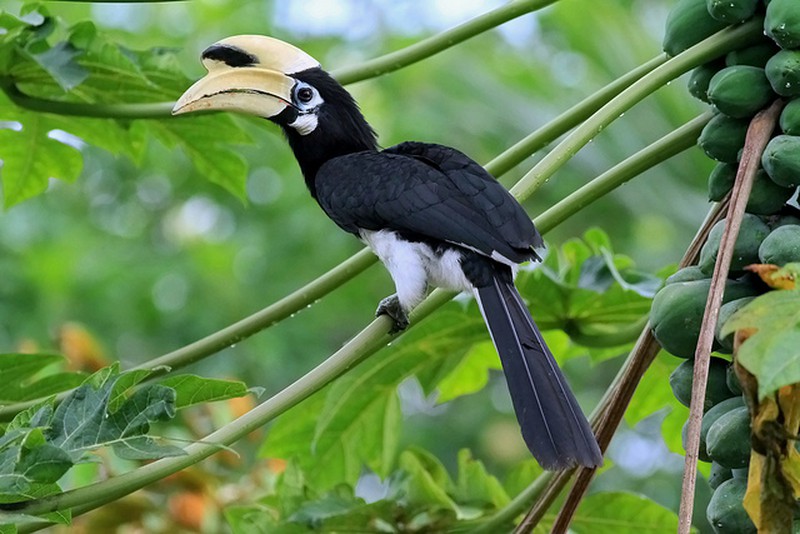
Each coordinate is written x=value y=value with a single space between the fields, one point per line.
x=432 y=215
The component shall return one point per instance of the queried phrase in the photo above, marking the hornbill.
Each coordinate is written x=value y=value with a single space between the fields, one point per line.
x=432 y=215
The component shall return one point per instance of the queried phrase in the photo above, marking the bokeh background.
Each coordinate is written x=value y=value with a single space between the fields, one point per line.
x=148 y=256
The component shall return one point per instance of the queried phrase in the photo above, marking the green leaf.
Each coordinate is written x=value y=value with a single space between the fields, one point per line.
x=59 y=62
x=521 y=476
x=82 y=422
x=471 y=374
x=192 y=389
x=44 y=464
x=19 y=367
x=594 y=295
x=772 y=354
x=423 y=483
x=207 y=142
x=653 y=392
x=30 y=158
x=617 y=513
x=45 y=386
x=358 y=420
x=475 y=486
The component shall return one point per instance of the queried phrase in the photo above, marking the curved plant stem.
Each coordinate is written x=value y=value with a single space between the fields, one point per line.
x=348 y=269
x=572 y=117
x=369 y=69
x=152 y=110
x=435 y=44
x=671 y=144
x=296 y=301
x=715 y=46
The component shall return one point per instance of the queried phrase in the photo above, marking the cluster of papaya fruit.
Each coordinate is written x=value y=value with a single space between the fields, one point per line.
x=737 y=86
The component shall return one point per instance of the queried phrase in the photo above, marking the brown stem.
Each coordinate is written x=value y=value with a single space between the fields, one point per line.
x=758 y=135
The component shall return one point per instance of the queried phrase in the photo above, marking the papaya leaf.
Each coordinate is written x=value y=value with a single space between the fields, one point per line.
x=356 y=420
x=193 y=389
x=59 y=62
x=31 y=157
x=43 y=387
x=653 y=392
x=772 y=354
x=16 y=368
x=89 y=67
x=594 y=295
x=475 y=485
x=422 y=485
x=23 y=383
x=471 y=374
x=613 y=513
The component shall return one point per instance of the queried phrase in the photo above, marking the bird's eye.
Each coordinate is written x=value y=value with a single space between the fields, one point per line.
x=305 y=94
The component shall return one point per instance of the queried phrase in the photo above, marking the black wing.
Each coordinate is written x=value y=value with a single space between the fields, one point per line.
x=430 y=192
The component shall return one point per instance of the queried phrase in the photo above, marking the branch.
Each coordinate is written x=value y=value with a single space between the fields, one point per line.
x=758 y=135
x=569 y=119
x=718 y=44
x=435 y=44
x=670 y=145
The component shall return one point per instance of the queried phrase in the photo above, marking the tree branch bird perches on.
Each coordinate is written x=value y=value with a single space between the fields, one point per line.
x=432 y=215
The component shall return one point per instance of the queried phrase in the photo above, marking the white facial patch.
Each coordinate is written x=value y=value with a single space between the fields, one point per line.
x=305 y=123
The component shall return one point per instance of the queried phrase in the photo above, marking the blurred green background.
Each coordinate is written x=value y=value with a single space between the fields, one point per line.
x=149 y=256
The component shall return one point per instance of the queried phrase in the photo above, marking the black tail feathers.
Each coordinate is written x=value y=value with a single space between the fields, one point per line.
x=553 y=426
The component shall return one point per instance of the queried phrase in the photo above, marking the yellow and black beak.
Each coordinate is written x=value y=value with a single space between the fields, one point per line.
x=246 y=73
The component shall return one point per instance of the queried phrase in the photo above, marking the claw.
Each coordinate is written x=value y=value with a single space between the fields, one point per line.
x=391 y=306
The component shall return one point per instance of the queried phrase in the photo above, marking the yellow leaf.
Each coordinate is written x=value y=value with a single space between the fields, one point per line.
x=752 y=497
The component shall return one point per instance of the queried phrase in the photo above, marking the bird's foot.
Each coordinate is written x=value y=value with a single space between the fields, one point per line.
x=391 y=306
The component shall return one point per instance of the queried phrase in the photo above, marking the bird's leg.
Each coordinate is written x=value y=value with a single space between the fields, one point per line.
x=391 y=306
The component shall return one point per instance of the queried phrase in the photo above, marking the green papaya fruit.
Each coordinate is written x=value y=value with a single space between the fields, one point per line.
x=725 y=312
x=731 y=11
x=725 y=511
x=680 y=380
x=781 y=160
x=728 y=439
x=781 y=246
x=686 y=274
x=782 y=23
x=721 y=180
x=711 y=416
x=718 y=475
x=790 y=118
x=700 y=77
x=688 y=23
x=732 y=380
x=677 y=313
x=751 y=233
x=755 y=56
x=783 y=220
x=766 y=197
x=783 y=72
x=741 y=473
x=723 y=138
x=740 y=91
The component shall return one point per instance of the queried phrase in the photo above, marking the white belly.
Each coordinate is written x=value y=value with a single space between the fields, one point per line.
x=415 y=266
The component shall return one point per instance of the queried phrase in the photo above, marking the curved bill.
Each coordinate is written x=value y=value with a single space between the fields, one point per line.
x=251 y=90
